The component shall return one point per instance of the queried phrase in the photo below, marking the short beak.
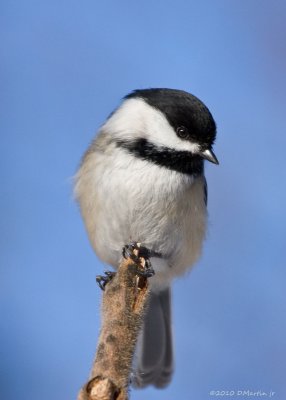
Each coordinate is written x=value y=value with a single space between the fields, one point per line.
x=209 y=155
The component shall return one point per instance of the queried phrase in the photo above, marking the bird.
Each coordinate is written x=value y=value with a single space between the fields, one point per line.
x=142 y=179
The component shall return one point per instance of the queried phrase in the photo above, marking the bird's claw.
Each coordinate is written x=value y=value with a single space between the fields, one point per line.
x=142 y=252
x=128 y=251
x=148 y=270
x=103 y=280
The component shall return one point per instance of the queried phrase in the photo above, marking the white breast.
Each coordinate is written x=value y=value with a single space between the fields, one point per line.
x=123 y=198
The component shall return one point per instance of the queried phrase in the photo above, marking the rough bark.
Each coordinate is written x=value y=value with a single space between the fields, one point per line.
x=123 y=305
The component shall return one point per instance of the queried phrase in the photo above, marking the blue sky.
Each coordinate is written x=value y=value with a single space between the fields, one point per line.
x=64 y=66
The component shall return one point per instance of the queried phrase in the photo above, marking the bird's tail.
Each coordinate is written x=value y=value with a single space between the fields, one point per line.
x=154 y=355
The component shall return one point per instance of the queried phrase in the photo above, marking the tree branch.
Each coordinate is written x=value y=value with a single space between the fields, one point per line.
x=123 y=305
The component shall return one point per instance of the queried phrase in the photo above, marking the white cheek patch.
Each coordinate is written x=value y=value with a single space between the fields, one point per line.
x=137 y=119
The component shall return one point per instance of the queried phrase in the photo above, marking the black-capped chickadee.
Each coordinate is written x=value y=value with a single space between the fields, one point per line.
x=142 y=179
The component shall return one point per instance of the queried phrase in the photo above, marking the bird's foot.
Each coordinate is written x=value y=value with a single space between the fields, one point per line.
x=134 y=251
x=148 y=270
x=103 y=280
x=128 y=251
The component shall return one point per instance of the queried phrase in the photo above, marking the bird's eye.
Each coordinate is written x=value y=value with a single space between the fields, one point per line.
x=182 y=132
